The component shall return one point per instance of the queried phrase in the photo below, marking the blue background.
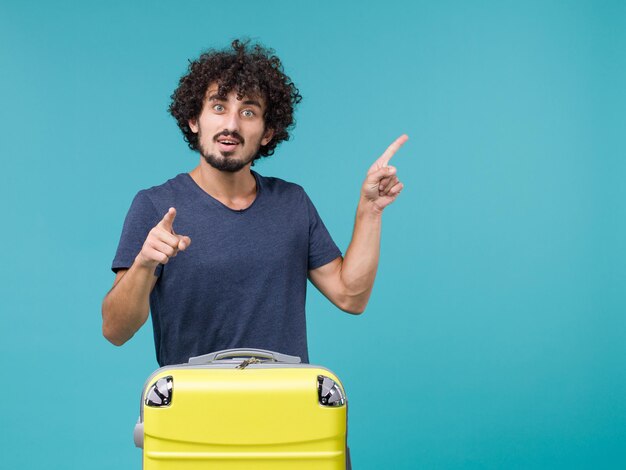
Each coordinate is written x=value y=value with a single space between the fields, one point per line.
x=496 y=334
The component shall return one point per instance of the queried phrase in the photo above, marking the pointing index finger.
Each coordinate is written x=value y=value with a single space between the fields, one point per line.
x=167 y=222
x=392 y=149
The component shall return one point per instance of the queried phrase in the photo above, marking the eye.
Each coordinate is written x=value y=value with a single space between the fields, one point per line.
x=218 y=107
x=247 y=113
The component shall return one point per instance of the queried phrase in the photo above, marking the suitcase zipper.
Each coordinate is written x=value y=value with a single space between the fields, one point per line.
x=247 y=362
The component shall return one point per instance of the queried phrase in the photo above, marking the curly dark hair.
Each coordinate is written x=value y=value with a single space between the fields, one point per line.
x=248 y=69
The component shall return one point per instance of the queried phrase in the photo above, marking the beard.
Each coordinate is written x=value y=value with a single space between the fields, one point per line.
x=224 y=161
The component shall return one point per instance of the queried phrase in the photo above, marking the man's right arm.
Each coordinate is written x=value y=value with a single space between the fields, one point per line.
x=127 y=305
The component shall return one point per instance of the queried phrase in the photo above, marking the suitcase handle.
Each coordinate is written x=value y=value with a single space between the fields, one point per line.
x=244 y=352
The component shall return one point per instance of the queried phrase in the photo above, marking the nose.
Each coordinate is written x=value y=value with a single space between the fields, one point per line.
x=231 y=121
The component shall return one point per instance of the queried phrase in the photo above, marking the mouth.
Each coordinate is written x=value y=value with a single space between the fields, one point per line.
x=227 y=144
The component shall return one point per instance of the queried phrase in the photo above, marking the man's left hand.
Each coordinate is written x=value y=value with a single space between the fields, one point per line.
x=382 y=186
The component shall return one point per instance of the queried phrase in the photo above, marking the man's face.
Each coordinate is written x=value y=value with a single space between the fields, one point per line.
x=230 y=131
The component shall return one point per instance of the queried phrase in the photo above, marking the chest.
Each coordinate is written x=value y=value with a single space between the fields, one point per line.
x=226 y=244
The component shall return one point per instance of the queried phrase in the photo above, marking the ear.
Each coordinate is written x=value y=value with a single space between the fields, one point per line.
x=193 y=125
x=267 y=137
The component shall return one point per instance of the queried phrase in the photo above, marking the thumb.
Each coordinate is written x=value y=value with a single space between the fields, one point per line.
x=167 y=222
x=183 y=242
x=383 y=172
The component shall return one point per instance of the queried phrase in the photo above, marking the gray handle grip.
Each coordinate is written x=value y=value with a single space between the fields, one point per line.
x=244 y=352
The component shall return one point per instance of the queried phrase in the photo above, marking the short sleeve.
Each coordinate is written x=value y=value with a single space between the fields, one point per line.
x=322 y=248
x=141 y=218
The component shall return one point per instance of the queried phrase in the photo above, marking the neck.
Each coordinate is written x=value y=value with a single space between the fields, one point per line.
x=236 y=190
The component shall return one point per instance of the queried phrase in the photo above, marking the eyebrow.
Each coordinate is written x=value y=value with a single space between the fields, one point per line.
x=216 y=97
x=252 y=102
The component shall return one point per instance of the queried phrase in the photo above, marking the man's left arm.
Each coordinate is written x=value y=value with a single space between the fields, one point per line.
x=347 y=282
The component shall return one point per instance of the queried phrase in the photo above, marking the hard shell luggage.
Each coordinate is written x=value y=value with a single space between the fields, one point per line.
x=243 y=409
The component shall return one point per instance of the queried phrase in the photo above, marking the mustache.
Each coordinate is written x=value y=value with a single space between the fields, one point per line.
x=227 y=133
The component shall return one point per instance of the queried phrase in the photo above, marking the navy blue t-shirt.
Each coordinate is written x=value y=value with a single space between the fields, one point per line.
x=242 y=281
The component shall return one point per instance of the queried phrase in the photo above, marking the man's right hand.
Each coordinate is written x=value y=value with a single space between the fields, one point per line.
x=162 y=243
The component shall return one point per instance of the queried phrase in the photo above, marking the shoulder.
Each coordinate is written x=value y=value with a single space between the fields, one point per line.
x=154 y=200
x=279 y=187
x=168 y=191
x=169 y=188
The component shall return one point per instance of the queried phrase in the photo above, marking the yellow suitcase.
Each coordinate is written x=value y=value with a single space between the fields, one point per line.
x=243 y=409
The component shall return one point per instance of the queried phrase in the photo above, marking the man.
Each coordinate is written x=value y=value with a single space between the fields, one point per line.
x=221 y=255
